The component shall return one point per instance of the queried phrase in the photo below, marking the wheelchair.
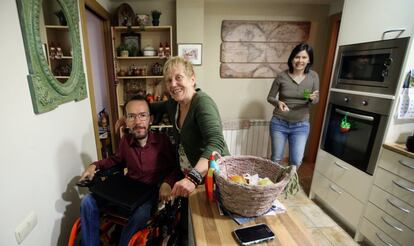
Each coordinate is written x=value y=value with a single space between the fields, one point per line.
x=161 y=229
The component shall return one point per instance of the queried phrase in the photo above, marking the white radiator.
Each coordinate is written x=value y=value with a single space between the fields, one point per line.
x=247 y=137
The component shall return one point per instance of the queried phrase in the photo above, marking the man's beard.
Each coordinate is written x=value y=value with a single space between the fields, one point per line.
x=139 y=135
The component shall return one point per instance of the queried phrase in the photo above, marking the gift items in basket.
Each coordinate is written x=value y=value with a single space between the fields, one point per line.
x=252 y=199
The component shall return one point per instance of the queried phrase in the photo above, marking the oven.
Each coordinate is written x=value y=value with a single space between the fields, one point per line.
x=360 y=143
x=372 y=67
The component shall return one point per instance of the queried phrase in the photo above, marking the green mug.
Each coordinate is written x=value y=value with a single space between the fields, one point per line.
x=307 y=93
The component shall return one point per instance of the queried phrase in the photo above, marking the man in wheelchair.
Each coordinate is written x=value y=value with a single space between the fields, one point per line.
x=150 y=161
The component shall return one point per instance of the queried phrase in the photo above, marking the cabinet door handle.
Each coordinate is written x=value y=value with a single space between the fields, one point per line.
x=404 y=163
x=398 y=207
x=390 y=224
x=335 y=189
x=341 y=166
x=399 y=30
x=403 y=186
x=383 y=240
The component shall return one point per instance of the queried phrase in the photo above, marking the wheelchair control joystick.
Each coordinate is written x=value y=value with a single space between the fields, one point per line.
x=84 y=183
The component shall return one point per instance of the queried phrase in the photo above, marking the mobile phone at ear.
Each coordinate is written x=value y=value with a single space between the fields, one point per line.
x=254 y=234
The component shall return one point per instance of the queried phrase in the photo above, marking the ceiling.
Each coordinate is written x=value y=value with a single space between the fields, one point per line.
x=244 y=1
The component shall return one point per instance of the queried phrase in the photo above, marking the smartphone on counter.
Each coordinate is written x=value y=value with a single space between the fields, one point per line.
x=254 y=234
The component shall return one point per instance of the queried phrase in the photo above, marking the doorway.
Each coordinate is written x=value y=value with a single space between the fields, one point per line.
x=97 y=45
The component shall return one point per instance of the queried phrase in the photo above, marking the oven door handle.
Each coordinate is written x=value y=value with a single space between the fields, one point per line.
x=358 y=116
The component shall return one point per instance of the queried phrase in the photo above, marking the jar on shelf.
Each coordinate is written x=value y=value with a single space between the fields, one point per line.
x=133 y=70
x=156 y=69
x=149 y=51
x=122 y=72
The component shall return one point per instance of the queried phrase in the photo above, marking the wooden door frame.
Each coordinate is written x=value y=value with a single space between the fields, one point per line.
x=104 y=15
x=319 y=112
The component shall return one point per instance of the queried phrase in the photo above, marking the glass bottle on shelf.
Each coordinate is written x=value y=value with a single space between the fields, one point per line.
x=167 y=49
x=59 y=52
x=161 y=51
x=52 y=51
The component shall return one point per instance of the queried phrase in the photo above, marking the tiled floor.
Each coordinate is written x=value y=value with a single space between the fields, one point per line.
x=305 y=173
x=323 y=229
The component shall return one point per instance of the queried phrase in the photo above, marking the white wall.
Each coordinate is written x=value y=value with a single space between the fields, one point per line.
x=246 y=98
x=41 y=155
x=243 y=98
x=106 y=4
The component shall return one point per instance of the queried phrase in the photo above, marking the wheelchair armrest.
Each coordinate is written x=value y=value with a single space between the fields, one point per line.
x=115 y=170
x=101 y=174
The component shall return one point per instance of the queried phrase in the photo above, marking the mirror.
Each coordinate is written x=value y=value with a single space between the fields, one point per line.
x=54 y=35
x=54 y=82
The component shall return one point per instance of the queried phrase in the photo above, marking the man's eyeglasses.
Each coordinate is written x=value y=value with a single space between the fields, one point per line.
x=141 y=116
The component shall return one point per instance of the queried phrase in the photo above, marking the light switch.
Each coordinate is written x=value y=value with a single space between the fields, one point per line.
x=25 y=227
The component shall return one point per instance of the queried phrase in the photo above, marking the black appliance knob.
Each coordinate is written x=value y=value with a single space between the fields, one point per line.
x=364 y=102
x=387 y=62
x=346 y=99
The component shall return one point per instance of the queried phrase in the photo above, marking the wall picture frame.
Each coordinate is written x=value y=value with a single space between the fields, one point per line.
x=191 y=52
x=132 y=39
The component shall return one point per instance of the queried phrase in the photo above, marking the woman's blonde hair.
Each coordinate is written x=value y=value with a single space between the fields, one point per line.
x=176 y=61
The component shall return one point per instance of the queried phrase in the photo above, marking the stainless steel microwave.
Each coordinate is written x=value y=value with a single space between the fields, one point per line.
x=372 y=67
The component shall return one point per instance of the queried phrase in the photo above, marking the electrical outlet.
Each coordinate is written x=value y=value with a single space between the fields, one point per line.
x=25 y=227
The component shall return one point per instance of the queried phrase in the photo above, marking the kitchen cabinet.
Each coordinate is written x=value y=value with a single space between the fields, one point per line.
x=365 y=21
x=342 y=188
x=140 y=72
x=389 y=215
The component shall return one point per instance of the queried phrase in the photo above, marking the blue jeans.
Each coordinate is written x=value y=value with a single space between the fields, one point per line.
x=89 y=212
x=297 y=135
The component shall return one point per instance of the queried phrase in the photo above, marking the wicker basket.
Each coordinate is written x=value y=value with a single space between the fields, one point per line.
x=248 y=200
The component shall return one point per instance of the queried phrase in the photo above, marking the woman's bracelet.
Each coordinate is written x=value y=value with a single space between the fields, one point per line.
x=196 y=176
x=192 y=181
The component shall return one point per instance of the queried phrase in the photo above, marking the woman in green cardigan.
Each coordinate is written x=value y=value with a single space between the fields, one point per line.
x=196 y=122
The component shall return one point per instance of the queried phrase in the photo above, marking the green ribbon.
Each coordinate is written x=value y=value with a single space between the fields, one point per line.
x=344 y=122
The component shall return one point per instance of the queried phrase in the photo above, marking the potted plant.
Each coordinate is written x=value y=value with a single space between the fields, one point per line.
x=132 y=48
x=155 y=17
x=122 y=50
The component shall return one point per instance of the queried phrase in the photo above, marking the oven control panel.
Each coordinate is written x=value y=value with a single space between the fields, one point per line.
x=366 y=103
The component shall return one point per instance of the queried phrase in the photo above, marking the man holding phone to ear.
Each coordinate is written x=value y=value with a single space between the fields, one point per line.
x=149 y=158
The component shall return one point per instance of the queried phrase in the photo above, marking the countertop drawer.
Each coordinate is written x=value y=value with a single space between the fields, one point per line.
x=392 y=227
x=393 y=206
x=399 y=187
x=353 y=180
x=346 y=206
x=398 y=164
x=375 y=235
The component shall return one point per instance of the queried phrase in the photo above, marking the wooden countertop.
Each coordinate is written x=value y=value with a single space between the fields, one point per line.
x=211 y=228
x=399 y=148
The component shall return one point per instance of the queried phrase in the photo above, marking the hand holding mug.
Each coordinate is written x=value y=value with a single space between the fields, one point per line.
x=314 y=95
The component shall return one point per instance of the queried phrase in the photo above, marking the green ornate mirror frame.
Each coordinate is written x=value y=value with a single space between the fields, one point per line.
x=46 y=91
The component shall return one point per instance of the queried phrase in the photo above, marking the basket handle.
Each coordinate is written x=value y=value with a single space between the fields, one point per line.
x=220 y=160
x=215 y=153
